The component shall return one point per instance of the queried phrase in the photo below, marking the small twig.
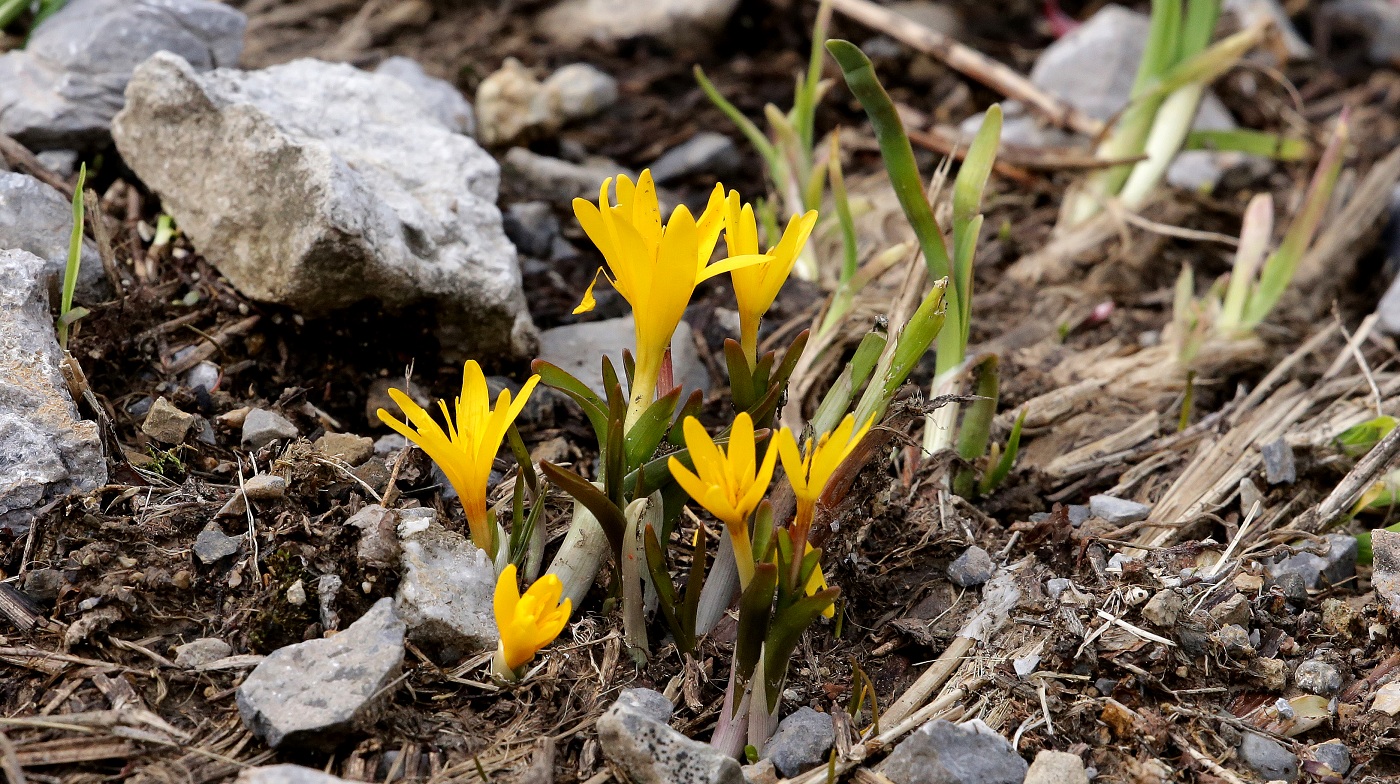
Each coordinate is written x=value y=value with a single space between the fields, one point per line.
x=9 y=761
x=1353 y=346
x=1380 y=459
x=252 y=525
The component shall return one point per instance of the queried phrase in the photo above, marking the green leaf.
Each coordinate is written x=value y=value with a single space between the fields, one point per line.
x=1197 y=27
x=614 y=449
x=838 y=398
x=976 y=426
x=75 y=252
x=993 y=478
x=740 y=375
x=612 y=386
x=10 y=10
x=1357 y=440
x=1163 y=43
x=896 y=151
x=850 y=258
x=1247 y=140
x=755 y=615
x=692 y=408
x=609 y=515
x=786 y=631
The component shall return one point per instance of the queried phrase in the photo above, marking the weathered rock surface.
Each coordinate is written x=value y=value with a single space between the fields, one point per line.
x=643 y=750
x=166 y=423
x=706 y=152
x=583 y=90
x=318 y=185
x=446 y=589
x=35 y=217
x=448 y=105
x=46 y=450
x=530 y=176
x=1385 y=576
x=971 y=569
x=64 y=87
x=1118 y=511
x=801 y=741
x=1336 y=567
x=677 y=22
x=1268 y=758
x=212 y=544
x=261 y=427
x=1316 y=676
x=286 y=774
x=579 y=349
x=1057 y=767
x=202 y=651
x=941 y=752
x=349 y=447
x=312 y=694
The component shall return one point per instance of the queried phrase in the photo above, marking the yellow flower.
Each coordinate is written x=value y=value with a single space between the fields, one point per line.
x=817 y=582
x=466 y=450
x=527 y=623
x=757 y=285
x=654 y=266
x=809 y=470
x=730 y=486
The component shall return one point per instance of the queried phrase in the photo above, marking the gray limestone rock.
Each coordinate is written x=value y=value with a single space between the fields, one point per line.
x=1385 y=575
x=532 y=226
x=446 y=589
x=529 y=176
x=202 y=651
x=1163 y=608
x=1268 y=758
x=62 y=90
x=706 y=152
x=1334 y=754
x=285 y=774
x=648 y=702
x=583 y=90
x=319 y=185
x=312 y=694
x=1336 y=567
x=1057 y=767
x=971 y=569
x=35 y=217
x=447 y=104
x=213 y=544
x=261 y=427
x=643 y=750
x=941 y=752
x=801 y=741
x=514 y=107
x=46 y=450
x=1279 y=464
x=676 y=22
x=579 y=349
x=1118 y=511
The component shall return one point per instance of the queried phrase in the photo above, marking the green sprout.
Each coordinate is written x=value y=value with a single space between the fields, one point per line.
x=67 y=314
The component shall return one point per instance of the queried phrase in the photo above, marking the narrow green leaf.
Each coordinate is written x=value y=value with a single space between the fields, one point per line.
x=783 y=636
x=1248 y=140
x=1163 y=43
x=850 y=250
x=755 y=616
x=75 y=253
x=1197 y=28
x=741 y=389
x=744 y=124
x=593 y=406
x=650 y=429
x=993 y=478
x=694 y=404
x=1357 y=440
x=896 y=151
x=838 y=398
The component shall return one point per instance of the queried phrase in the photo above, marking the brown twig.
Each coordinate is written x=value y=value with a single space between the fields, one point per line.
x=971 y=63
x=19 y=155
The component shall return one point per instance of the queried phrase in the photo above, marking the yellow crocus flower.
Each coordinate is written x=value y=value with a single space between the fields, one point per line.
x=526 y=623
x=757 y=285
x=654 y=266
x=729 y=486
x=817 y=582
x=809 y=470
x=467 y=449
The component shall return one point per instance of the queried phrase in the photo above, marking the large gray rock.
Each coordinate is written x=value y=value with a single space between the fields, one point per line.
x=678 y=22
x=447 y=104
x=46 y=450
x=312 y=694
x=801 y=741
x=941 y=752
x=579 y=349
x=1092 y=69
x=35 y=217
x=285 y=774
x=63 y=88
x=319 y=185
x=446 y=589
x=643 y=750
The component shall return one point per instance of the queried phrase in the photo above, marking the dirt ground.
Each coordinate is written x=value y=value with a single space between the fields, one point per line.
x=1139 y=710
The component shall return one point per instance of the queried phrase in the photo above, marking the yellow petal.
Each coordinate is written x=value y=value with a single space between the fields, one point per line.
x=588 y=303
x=507 y=597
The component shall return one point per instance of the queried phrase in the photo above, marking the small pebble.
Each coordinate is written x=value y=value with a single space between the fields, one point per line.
x=1163 y=608
x=202 y=651
x=1279 y=465
x=296 y=593
x=264 y=487
x=203 y=376
x=706 y=152
x=348 y=447
x=166 y=423
x=1318 y=677
x=212 y=545
x=971 y=569
x=1118 y=511
x=1334 y=754
x=1268 y=758
x=1056 y=767
x=261 y=427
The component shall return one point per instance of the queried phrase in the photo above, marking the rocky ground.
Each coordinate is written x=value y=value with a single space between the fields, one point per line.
x=215 y=562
